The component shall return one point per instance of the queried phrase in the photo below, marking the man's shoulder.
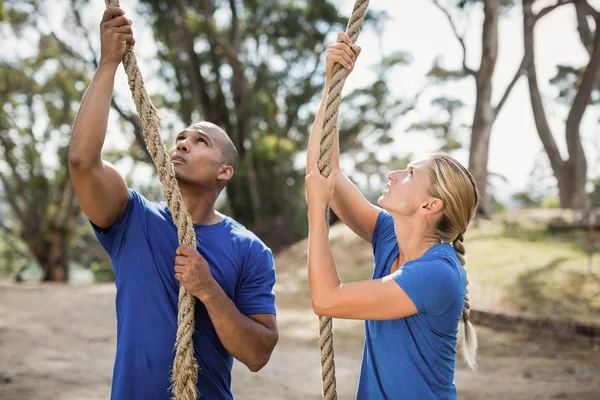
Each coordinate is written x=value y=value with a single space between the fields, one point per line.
x=241 y=233
x=247 y=244
x=138 y=197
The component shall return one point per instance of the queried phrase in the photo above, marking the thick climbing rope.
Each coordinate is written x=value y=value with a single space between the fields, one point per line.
x=185 y=367
x=334 y=98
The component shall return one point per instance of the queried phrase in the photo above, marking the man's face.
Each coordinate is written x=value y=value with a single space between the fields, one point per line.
x=197 y=156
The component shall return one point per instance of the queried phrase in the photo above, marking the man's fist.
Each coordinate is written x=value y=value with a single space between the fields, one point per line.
x=193 y=272
x=115 y=33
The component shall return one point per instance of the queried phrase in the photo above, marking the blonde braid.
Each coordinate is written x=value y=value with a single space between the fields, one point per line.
x=469 y=343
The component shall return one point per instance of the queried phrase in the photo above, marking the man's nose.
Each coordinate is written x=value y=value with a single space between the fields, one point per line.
x=182 y=146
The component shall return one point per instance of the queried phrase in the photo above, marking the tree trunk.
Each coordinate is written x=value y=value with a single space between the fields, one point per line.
x=51 y=254
x=583 y=26
x=571 y=174
x=571 y=188
x=56 y=272
x=484 y=112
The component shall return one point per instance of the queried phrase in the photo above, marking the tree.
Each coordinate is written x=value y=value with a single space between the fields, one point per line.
x=39 y=94
x=367 y=116
x=485 y=112
x=446 y=127
x=540 y=185
x=254 y=68
x=577 y=85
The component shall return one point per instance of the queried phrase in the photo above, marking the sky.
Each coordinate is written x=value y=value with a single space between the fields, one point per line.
x=419 y=28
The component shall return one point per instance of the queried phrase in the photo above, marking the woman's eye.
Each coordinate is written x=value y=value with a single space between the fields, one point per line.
x=202 y=140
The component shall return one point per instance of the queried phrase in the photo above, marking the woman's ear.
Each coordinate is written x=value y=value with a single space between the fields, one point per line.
x=433 y=206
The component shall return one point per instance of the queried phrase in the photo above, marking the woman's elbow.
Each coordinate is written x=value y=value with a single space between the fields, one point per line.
x=319 y=311
x=323 y=308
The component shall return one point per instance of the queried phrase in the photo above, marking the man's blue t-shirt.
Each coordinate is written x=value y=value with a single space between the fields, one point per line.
x=413 y=358
x=142 y=245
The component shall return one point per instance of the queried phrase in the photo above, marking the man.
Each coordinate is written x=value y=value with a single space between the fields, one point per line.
x=231 y=272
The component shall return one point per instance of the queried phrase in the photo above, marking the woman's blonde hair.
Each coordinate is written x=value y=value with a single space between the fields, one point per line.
x=455 y=186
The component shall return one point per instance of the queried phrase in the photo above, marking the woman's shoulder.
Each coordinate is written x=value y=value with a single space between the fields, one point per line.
x=441 y=261
x=443 y=252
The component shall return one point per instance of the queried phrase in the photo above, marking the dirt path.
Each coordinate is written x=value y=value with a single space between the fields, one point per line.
x=57 y=343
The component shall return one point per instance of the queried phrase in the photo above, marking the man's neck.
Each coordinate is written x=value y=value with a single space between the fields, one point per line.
x=200 y=204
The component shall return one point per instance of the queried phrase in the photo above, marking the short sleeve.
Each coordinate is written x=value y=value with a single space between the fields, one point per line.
x=384 y=230
x=432 y=285
x=113 y=238
x=255 y=294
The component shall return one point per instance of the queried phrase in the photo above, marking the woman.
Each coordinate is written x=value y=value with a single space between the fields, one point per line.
x=416 y=298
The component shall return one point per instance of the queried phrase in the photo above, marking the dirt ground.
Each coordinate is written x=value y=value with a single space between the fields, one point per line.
x=57 y=342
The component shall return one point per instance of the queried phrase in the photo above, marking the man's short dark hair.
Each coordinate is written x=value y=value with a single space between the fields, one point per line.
x=230 y=154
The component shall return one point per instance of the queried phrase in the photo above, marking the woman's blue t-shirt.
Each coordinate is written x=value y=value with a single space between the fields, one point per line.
x=142 y=245
x=413 y=358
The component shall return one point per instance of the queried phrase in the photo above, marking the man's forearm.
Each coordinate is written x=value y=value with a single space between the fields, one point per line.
x=247 y=340
x=89 y=129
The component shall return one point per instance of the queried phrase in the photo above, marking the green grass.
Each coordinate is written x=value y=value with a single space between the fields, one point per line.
x=514 y=265
x=525 y=268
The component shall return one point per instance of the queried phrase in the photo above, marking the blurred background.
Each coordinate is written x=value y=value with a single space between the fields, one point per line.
x=509 y=88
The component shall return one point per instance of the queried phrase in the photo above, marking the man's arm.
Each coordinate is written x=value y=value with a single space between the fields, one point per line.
x=101 y=192
x=347 y=202
x=249 y=338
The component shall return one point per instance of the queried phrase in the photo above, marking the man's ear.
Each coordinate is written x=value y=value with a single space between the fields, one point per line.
x=432 y=206
x=225 y=172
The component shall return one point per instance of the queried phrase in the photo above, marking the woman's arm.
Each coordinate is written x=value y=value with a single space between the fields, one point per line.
x=379 y=299
x=348 y=203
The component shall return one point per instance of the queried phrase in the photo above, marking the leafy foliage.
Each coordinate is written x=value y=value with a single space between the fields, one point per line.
x=256 y=69
x=41 y=92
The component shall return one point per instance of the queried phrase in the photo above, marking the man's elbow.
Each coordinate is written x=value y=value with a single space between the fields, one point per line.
x=259 y=363
x=79 y=162
x=263 y=358
x=255 y=367
x=75 y=160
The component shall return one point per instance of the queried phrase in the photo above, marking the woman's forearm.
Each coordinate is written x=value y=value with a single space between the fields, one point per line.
x=314 y=140
x=323 y=278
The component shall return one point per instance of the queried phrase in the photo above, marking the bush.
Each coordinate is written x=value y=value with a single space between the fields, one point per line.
x=550 y=202
x=102 y=272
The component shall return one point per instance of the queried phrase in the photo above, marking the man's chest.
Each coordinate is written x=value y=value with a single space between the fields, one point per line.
x=223 y=259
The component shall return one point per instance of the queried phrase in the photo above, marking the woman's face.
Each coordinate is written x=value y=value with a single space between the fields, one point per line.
x=407 y=190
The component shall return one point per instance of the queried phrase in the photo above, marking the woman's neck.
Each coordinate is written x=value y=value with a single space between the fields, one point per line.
x=414 y=238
